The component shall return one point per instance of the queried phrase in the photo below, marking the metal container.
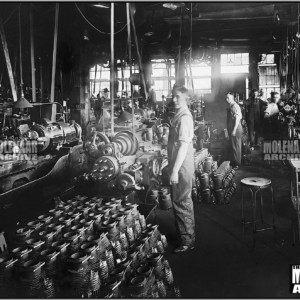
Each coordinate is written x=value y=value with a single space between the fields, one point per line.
x=137 y=287
x=61 y=247
x=217 y=181
x=165 y=202
x=7 y=284
x=36 y=244
x=45 y=218
x=21 y=235
x=219 y=196
x=78 y=261
x=204 y=181
x=206 y=196
x=49 y=257
x=32 y=279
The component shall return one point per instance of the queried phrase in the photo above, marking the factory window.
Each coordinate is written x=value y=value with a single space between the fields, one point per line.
x=235 y=63
x=201 y=78
x=268 y=75
x=100 y=78
x=163 y=76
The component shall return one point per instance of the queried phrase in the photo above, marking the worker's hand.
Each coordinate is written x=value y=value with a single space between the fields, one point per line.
x=174 y=178
x=233 y=133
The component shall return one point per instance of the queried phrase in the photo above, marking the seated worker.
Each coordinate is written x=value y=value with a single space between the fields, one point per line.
x=271 y=114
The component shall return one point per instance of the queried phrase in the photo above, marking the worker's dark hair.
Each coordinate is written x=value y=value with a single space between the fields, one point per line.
x=272 y=96
x=274 y=93
x=180 y=88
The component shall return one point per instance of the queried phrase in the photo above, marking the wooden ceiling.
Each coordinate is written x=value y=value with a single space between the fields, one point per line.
x=260 y=25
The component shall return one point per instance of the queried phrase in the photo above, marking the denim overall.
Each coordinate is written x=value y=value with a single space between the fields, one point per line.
x=181 y=192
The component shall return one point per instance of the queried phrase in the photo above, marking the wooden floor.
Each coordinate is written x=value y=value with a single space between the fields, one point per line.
x=223 y=264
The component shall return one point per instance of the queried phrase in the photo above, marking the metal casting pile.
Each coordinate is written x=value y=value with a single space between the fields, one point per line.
x=87 y=249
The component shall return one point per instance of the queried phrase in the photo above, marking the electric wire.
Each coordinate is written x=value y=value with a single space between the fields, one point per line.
x=94 y=26
x=10 y=16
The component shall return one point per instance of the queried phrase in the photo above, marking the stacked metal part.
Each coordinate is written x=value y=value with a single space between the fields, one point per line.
x=214 y=186
x=7 y=285
x=89 y=249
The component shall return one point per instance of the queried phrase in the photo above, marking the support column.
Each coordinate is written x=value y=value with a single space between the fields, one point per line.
x=180 y=73
x=84 y=81
x=253 y=71
x=8 y=63
x=53 y=115
x=32 y=56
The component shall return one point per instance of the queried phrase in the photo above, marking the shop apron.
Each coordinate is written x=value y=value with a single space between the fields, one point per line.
x=181 y=192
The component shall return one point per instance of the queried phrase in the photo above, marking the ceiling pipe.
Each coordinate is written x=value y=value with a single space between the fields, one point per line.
x=112 y=67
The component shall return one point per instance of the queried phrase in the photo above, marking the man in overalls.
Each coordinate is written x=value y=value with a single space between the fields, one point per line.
x=235 y=130
x=181 y=169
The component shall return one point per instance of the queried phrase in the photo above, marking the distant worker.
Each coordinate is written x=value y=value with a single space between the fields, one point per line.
x=235 y=130
x=271 y=114
x=254 y=108
x=152 y=96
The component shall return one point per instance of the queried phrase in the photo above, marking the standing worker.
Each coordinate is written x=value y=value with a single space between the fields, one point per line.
x=97 y=108
x=152 y=96
x=235 y=130
x=271 y=115
x=254 y=116
x=181 y=169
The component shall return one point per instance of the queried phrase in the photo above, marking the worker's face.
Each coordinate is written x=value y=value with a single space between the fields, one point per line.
x=179 y=99
x=276 y=98
x=229 y=98
x=255 y=94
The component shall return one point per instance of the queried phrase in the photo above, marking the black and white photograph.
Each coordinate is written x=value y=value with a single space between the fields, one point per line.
x=150 y=149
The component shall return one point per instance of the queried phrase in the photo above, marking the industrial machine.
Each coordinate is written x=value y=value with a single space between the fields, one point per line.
x=129 y=161
x=31 y=144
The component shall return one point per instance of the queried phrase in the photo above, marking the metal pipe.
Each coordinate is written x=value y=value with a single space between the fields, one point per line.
x=138 y=53
x=8 y=63
x=297 y=49
x=32 y=56
x=112 y=67
x=41 y=81
x=130 y=67
x=53 y=116
x=191 y=45
x=94 y=89
x=179 y=52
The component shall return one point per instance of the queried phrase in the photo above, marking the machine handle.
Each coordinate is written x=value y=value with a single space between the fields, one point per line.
x=134 y=186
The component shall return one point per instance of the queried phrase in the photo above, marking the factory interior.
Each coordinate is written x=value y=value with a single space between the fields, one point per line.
x=149 y=149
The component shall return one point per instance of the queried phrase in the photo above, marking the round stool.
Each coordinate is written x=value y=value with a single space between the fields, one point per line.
x=255 y=184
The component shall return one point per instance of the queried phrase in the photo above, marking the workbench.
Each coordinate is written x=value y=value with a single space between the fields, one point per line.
x=294 y=183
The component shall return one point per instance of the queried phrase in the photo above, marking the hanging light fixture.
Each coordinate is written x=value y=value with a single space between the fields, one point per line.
x=21 y=102
x=173 y=6
x=149 y=31
x=102 y=5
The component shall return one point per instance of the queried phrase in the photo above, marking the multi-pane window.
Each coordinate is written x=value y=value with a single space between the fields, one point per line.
x=268 y=75
x=100 y=79
x=235 y=63
x=163 y=76
x=201 y=78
